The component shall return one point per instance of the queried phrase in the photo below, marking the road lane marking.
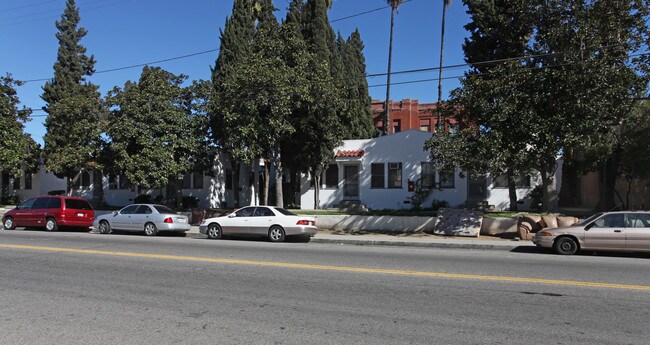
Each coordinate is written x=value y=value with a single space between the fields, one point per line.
x=334 y=268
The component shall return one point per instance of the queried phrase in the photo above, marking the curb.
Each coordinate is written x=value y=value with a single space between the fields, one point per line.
x=423 y=244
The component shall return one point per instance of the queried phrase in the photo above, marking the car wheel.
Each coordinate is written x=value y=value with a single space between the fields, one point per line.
x=9 y=224
x=276 y=234
x=104 y=227
x=150 y=229
x=565 y=246
x=50 y=225
x=214 y=231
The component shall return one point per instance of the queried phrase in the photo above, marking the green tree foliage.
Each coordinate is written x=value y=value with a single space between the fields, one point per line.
x=633 y=149
x=489 y=105
x=357 y=105
x=567 y=97
x=74 y=106
x=18 y=151
x=157 y=131
x=227 y=123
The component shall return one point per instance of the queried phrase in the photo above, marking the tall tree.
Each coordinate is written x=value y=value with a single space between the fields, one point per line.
x=74 y=106
x=156 y=134
x=18 y=151
x=394 y=4
x=225 y=121
x=357 y=112
x=489 y=103
x=445 y=3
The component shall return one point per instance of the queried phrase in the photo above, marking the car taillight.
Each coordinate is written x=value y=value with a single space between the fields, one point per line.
x=306 y=222
x=168 y=220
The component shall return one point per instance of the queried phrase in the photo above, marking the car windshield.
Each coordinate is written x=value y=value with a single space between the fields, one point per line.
x=285 y=212
x=164 y=209
x=589 y=220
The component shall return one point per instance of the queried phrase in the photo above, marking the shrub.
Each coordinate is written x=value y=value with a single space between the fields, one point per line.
x=10 y=200
x=190 y=202
x=142 y=199
x=536 y=196
x=436 y=204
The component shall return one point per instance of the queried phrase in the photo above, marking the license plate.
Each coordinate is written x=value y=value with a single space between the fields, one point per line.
x=182 y=220
x=80 y=214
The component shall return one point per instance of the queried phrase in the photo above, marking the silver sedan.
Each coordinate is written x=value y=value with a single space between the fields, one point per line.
x=272 y=222
x=149 y=218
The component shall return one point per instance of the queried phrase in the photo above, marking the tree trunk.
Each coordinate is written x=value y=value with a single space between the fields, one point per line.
x=512 y=190
x=178 y=184
x=569 y=190
x=316 y=178
x=267 y=176
x=386 y=124
x=70 y=185
x=279 y=198
x=98 y=190
x=608 y=175
x=442 y=52
x=234 y=165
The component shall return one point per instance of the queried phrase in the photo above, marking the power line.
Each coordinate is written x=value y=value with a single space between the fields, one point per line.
x=54 y=17
x=48 y=11
x=26 y=6
x=366 y=12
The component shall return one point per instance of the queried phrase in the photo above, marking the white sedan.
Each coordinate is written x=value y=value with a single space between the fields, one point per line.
x=273 y=222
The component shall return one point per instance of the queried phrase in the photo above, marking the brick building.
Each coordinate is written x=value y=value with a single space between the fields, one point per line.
x=409 y=114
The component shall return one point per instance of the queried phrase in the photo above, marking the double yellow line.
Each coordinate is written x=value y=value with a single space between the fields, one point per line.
x=333 y=268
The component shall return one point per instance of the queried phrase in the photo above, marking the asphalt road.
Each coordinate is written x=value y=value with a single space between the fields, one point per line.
x=80 y=288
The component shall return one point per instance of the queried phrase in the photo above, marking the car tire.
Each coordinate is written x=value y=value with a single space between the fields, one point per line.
x=214 y=231
x=150 y=229
x=50 y=224
x=9 y=224
x=277 y=234
x=105 y=228
x=565 y=246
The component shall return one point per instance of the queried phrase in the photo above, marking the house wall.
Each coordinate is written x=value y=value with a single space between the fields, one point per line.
x=406 y=147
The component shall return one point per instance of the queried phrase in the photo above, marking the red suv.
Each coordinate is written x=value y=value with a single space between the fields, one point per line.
x=50 y=212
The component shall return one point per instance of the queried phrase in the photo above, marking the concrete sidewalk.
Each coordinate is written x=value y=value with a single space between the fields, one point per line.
x=425 y=241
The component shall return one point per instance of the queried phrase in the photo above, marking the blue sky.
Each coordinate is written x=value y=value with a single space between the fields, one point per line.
x=131 y=32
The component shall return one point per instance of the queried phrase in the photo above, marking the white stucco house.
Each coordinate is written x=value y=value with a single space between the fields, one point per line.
x=381 y=173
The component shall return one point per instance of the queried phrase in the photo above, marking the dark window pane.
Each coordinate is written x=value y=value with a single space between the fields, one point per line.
x=164 y=209
x=285 y=212
x=394 y=175
x=197 y=180
x=143 y=209
x=77 y=204
x=28 y=181
x=187 y=181
x=263 y=212
x=129 y=209
x=124 y=182
x=447 y=178
x=245 y=212
x=112 y=181
x=228 y=179
x=377 y=178
x=40 y=203
x=17 y=183
x=54 y=203
x=332 y=176
x=428 y=179
x=85 y=179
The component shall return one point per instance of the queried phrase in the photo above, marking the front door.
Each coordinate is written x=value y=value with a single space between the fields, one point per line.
x=122 y=219
x=476 y=189
x=607 y=232
x=351 y=182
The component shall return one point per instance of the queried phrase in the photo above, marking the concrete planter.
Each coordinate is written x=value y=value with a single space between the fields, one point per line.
x=490 y=226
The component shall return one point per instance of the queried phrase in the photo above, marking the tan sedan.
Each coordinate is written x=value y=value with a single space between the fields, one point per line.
x=611 y=231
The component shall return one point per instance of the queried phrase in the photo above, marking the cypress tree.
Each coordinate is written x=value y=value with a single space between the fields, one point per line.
x=358 y=112
x=236 y=44
x=74 y=106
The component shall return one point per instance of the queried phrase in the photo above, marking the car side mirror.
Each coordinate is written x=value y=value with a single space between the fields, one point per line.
x=589 y=226
x=115 y=213
x=232 y=215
